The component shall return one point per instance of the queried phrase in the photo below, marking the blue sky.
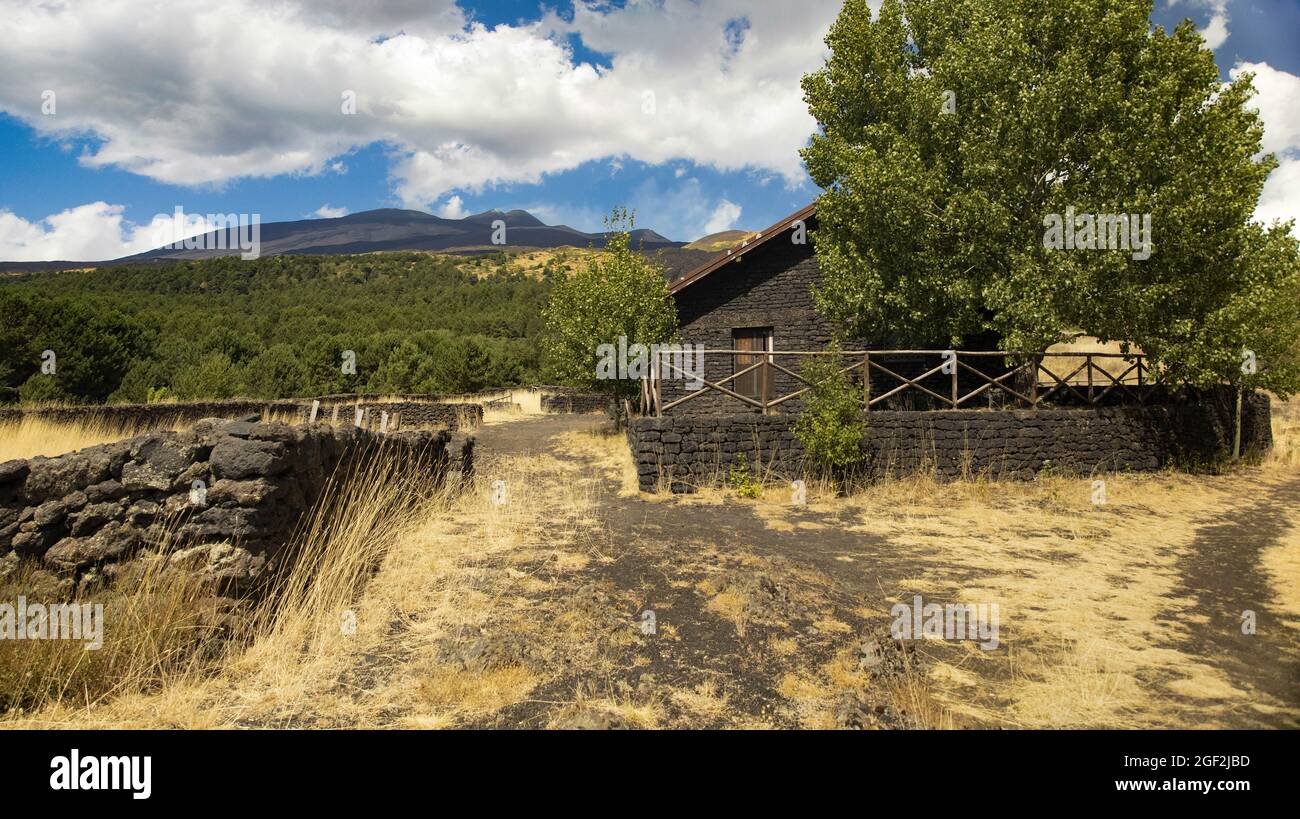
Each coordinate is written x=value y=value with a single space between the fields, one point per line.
x=462 y=108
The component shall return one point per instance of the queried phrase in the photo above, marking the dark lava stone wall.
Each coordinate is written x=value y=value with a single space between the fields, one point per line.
x=401 y=414
x=576 y=402
x=690 y=450
x=414 y=413
x=83 y=516
x=127 y=416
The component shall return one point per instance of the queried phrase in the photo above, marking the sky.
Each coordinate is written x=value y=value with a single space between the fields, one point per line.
x=113 y=113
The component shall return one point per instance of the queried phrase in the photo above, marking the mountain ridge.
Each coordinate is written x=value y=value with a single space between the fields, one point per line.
x=379 y=230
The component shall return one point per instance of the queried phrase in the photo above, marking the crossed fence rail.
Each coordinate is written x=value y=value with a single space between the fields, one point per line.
x=1027 y=378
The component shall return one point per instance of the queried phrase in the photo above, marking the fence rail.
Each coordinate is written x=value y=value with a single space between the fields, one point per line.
x=1027 y=378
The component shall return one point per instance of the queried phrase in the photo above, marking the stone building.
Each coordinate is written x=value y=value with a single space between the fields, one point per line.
x=755 y=297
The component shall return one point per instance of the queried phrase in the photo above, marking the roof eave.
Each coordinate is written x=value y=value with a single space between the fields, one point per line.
x=737 y=253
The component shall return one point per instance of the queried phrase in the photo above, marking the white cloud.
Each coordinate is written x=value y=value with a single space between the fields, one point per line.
x=682 y=211
x=724 y=217
x=327 y=212
x=461 y=107
x=1215 y=31
x=1281 y=197
x=453 y=209
x=1278 y=102
x=92 y=232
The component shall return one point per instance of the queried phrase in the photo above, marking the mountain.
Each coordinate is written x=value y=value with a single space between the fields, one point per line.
x=387 y=229
x=718 y=242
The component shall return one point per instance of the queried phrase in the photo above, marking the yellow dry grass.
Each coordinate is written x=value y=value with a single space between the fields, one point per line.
x=1089 y=595
x=33 y=436
x=1096 y=624
x=1063 y=365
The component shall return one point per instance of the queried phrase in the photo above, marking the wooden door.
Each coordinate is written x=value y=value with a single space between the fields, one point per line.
x=752 y=384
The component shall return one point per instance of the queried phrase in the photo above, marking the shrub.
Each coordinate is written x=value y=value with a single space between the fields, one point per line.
x=832 y=424
x=741 y=482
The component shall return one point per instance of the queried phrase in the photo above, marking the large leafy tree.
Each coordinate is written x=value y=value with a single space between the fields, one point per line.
x=620 y=293
x=950 y=133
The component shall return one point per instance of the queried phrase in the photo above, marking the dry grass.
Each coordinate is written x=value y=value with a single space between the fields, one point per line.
x=1091 y=594
x=34 y=436
x=157 y=630
x=466 y=610
x=161 y=667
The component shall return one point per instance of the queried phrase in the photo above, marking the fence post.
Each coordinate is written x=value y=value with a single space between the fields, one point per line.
x=1034 y=361
x=954 y=379
x=866 y=382
x=658 y=385
x=1088 y=360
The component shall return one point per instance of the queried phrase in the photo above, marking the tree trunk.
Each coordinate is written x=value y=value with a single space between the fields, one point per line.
x=1236 y=429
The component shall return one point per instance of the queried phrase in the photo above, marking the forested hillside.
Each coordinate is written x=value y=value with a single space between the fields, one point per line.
x=270 y=328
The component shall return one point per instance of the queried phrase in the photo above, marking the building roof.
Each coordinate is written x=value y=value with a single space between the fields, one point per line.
x=737 y=253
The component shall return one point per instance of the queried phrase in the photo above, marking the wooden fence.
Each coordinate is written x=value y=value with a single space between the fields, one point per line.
x=1029 y=378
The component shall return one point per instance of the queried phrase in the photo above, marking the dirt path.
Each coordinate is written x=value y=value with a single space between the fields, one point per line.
x=1224 y=571
x=768 y=602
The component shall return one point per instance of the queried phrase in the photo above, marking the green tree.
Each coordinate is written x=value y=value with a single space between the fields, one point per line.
x=42 y=389
x=408 y=369
x=618 y=294
x=214 y=377
x=276 y=372
x=953 y=132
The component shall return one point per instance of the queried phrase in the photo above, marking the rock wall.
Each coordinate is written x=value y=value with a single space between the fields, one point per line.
x=414 y=413
x=691 y=450
x=128 y=416
x=402 y=415
x=221 y=498
x=576 y=402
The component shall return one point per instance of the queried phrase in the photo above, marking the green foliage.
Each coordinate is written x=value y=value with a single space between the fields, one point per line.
x=42 y=389
x=932 y=224
x=832 y=425
x=216 y=376
x=741 y=482
x=92 y=347
x=274 y=327
x=619 y=294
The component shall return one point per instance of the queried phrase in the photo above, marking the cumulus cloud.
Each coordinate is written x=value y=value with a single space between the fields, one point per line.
x=681 y=211
x=1215 y=32
x=453 y=209
x=460 y=106
x=724 y=217
x=1278 y=102
x=92 y=232
x=326 y=211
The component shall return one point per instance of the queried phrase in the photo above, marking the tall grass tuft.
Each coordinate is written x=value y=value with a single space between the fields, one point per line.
x=165 y=628
x=157 y=627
